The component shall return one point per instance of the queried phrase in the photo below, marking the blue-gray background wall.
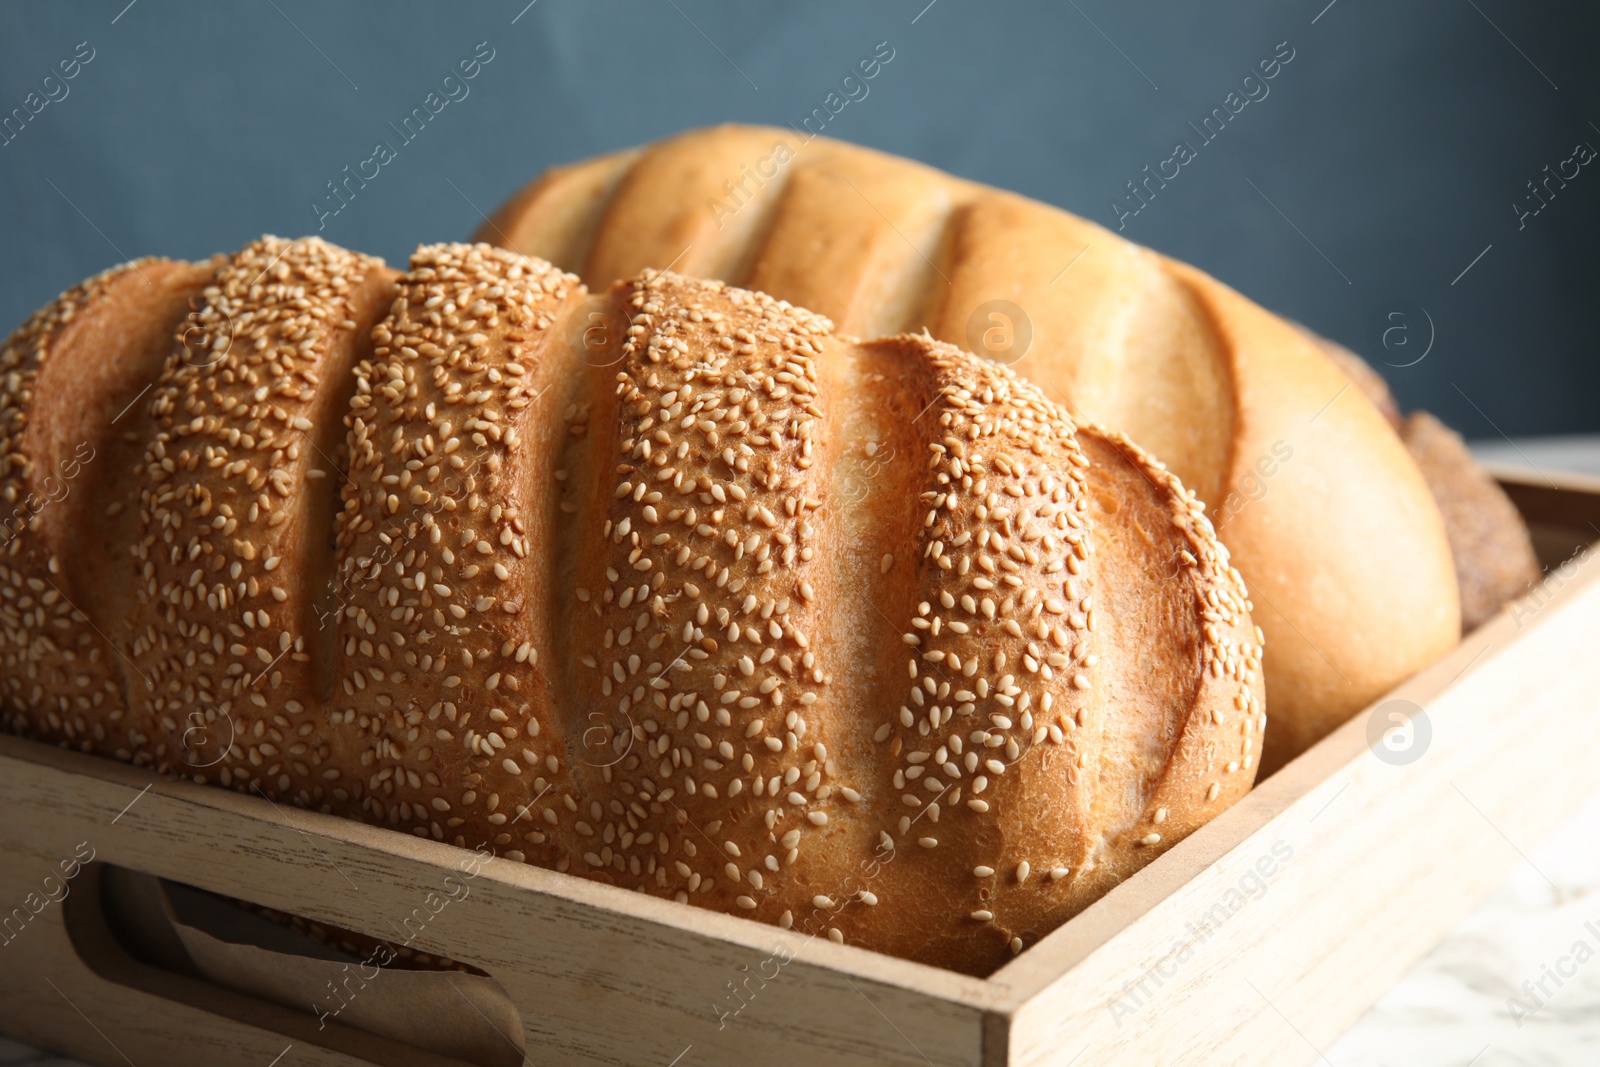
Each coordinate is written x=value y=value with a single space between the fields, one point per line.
x=1384 y=162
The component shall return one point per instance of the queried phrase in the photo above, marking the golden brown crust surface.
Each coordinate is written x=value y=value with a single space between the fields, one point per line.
x=1495 y=561
x=233 y=553
x=77 y=378
x=1362 y=375
x=1493 y=553
x=675 y=588
x=447 y=549
x=1197 y=375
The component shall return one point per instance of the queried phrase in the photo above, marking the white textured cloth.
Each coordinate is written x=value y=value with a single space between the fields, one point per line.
x=1467 y=1001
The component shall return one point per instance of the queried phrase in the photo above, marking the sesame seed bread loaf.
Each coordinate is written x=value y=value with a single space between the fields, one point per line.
x=73 y=434
x=1341 y=542
x=237 y=501
x=672 y=587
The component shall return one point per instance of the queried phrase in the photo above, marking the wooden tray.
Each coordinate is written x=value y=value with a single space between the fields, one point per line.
x=1258 y=940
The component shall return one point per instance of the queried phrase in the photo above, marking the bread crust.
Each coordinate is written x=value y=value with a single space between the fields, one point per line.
x=235 y=500
x=73 y=406
x=554 y=218
x=448 y=551
x=1493 y=552
x=1195 y=373
x=1348 y=488
x=674 y=588
x=1495 y=560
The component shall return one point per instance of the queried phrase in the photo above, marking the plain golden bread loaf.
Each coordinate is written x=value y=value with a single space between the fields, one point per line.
x=1363 y=376
x=672 y=587
x=1363 y=586
x=1493 y=551
x=1340 y=542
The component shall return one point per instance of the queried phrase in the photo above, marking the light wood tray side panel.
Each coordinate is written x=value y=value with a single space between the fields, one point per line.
x=1386 y=859
x=600 y=975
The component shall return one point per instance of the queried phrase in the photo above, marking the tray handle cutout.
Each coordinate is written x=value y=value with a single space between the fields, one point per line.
x=338 y=990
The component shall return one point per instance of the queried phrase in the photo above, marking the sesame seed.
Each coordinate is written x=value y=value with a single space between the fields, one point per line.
x=705 y=644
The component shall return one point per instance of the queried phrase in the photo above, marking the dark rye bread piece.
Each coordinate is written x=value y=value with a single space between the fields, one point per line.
x=1494 y=558
x=1495 y=561
x=673 y=588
